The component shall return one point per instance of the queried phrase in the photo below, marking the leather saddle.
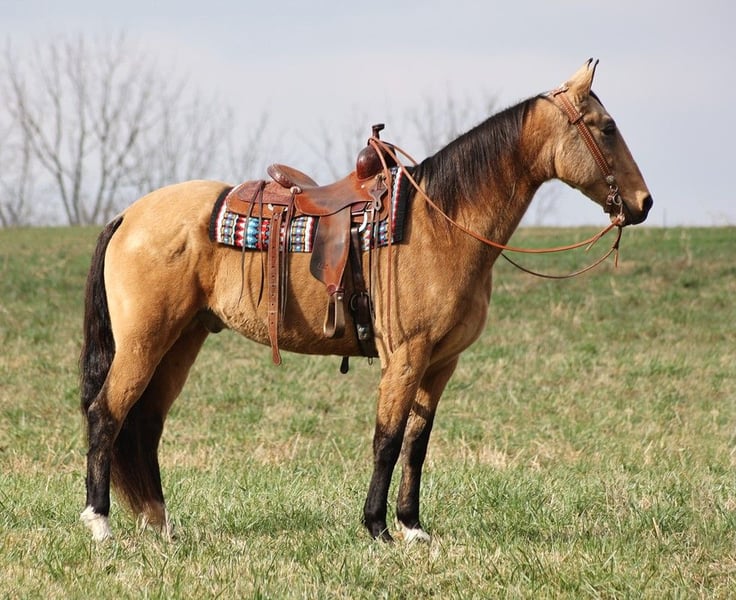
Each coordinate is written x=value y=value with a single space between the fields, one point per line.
x=341 y=207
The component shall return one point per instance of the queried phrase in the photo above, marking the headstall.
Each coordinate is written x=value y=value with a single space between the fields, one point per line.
x=575 y=117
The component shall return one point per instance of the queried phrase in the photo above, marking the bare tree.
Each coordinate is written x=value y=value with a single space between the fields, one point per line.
x=103 y=123
x=75 y=112
x=336 y=148
x=440 y=119
x=16 y=179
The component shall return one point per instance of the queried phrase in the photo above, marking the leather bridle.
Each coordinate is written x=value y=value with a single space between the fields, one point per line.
x=575 y=117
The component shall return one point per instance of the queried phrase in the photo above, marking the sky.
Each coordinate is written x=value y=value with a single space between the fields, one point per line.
x=666 y=73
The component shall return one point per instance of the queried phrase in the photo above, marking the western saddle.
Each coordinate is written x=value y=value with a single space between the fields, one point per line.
x=344 y=209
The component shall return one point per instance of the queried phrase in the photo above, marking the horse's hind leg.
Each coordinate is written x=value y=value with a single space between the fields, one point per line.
x=125 y=422
x=126 y=380
x=136 y=473
x=126 y=418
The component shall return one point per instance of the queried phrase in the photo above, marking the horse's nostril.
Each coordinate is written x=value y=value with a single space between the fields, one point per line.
x=647 y=204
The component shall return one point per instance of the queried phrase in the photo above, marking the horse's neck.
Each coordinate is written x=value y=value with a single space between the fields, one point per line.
x=511 y=184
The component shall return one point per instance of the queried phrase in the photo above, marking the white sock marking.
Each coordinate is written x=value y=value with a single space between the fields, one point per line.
x=99 y=525
x=413 y=534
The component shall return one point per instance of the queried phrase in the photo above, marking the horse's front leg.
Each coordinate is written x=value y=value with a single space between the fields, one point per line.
x=399 y=383
x=414 y=449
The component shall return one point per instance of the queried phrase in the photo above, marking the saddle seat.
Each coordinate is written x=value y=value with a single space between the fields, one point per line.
x=339 y=207
x=298 y=191
x=290 y=177
x=322 y=201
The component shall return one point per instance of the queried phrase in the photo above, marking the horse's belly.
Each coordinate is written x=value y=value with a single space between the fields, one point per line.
x=241 y=298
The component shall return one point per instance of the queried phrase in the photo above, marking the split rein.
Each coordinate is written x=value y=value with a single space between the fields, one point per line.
x=613 y=199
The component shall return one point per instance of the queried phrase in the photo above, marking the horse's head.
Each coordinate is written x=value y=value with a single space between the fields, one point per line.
x=592 y=156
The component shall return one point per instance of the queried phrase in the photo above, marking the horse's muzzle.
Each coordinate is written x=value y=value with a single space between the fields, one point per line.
x=639 y=215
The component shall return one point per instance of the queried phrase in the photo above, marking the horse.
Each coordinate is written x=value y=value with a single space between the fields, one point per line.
x=153 y=298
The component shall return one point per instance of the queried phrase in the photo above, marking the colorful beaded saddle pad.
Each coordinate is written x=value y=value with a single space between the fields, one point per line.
x=253 y=232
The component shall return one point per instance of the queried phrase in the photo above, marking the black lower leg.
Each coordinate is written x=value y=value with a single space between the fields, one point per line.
x=386 y=450
x=102 y=429
x=407 y=506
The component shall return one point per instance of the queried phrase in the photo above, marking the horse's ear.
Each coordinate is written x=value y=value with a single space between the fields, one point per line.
x=580 y=83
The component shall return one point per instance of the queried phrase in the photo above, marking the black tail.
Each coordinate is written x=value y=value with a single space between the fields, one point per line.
x=98 y=348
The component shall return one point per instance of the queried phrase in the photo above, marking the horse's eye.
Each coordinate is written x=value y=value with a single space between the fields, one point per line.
x=609 y=128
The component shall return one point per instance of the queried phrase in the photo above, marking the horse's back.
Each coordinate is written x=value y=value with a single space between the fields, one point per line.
x=177 y=204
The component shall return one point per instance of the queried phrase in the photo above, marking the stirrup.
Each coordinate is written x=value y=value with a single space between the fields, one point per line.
x=334 y=325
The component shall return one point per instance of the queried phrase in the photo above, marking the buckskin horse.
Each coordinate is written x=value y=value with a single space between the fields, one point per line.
x=152 y=299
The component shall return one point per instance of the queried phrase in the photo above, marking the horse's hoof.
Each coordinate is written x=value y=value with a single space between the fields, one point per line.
x=413 y=534
x=380 y=533
x=99 y=525
x=385 y=537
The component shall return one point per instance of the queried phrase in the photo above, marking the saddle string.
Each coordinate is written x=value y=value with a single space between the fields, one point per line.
x=390 y=217
x=261 y=239
x=258 y=192
x=284 y=248
x=617 y=221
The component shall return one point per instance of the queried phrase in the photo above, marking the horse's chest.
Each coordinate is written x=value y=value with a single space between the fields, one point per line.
x=460 y=315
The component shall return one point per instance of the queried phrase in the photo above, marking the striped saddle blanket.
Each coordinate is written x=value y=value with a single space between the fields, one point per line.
x=254 y=232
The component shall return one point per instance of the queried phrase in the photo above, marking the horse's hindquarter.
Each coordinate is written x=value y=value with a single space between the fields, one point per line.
x=159 y=263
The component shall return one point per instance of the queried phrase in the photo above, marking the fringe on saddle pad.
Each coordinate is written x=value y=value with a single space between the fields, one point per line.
x=254 y=233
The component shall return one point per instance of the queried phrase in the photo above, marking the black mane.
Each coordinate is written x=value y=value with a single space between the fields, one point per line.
x=456 y=172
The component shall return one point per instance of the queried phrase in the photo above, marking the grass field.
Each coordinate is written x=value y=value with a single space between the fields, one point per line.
x=586 y=447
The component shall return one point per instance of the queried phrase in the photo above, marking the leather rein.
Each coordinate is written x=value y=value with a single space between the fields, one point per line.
x=613 y=200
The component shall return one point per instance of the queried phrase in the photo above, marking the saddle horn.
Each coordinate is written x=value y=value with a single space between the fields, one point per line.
x=368 y=162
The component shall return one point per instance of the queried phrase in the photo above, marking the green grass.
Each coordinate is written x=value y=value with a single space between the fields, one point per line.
x=585 y=447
